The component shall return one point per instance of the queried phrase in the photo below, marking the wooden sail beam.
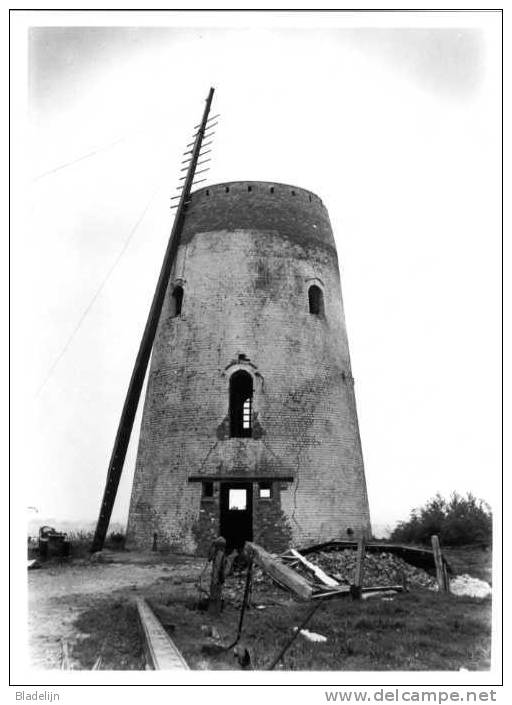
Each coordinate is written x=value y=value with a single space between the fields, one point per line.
x=278 y=571
x=124 y=430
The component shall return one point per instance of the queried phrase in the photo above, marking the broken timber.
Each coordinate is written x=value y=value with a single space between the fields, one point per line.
x=317 y=572
x=278 y=571
x=161 y=652
x=343 y=590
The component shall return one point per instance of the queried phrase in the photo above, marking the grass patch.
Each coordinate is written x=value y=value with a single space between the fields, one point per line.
x=416 y=631
x=110 y=630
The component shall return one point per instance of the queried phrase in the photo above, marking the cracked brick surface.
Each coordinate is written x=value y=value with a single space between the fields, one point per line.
x=246 y=261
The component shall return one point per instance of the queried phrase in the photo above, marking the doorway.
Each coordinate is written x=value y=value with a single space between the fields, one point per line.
x=236 y=514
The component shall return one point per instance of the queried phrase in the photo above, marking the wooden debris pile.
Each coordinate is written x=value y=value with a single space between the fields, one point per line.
x=326 y=572
x=382 y=569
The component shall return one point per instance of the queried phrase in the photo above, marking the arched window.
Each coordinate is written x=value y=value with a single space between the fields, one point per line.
x=240 y=404
x=177 y=297
x=316 y=300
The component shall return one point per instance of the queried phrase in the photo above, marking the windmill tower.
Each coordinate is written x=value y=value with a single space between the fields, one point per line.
x=249 y=427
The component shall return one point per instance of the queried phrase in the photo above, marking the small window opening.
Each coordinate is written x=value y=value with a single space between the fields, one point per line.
x=208 y=192
x=240 y=404
x=227 y=189
x=309 y=198
x=271 y=189
x=293 y=193
x=177 y=296
x=316 y=300
x=208 y=489
x=237 y=500
x=249 y=188
x=265 y=490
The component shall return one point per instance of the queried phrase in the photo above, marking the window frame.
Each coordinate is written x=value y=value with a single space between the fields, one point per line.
x=241 y=407
x=265 y=486
x=316 y=300
x=177 y=300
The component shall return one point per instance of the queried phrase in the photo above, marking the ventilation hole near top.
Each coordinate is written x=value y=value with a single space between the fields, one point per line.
x=271 y=189
x=208 y=192
x=293 y=193
x=227 y=189
x=177 y=296
x=249 y=188
x=316 y=300
x=310 y=199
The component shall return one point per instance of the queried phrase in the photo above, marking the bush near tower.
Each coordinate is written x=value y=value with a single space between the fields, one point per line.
x=458 y=521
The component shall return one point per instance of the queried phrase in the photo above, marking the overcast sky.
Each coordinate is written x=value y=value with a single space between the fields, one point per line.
x=396 y=128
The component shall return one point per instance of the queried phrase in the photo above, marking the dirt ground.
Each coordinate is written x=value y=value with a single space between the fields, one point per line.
x=59 y=594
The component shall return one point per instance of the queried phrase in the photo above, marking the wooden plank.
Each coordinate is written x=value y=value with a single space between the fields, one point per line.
x=280 y=572
x=318 y=572
x=161 y=652
x=341 y=590
x=345 y=590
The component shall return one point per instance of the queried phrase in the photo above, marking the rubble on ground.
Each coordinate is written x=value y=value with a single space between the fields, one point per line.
x=466 y=585
x=379 y=569
x=262 y=586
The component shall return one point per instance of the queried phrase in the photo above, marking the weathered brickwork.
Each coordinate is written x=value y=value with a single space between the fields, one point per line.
x=246 y=262
x=271 y=526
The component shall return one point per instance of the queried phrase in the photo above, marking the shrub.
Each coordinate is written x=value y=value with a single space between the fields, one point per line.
x=458 y=521
x=81 y=542
x=115 y=541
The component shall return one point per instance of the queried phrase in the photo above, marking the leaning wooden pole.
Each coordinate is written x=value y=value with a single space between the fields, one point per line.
x=124 y=430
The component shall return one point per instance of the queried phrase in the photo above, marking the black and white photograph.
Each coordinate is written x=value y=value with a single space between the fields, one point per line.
x=256 y=350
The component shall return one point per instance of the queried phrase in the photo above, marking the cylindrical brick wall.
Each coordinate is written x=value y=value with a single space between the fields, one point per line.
x=249 y=253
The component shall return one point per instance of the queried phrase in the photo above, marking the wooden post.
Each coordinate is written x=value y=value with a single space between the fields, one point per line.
x=441 y=573
x=358 y=576
x=218 y=558
x=446 y=577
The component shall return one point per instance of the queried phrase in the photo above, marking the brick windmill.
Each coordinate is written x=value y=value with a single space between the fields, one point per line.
x=249 y=428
